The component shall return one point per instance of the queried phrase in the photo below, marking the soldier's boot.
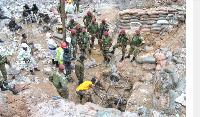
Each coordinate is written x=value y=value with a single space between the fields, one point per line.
x=2 y=88
x=104 y=60
x=132 y=59
x=57 y=65
x=108 y=61
x=90 y=51
x=121 y=59
x=127 y=56
x=112 y=52
x=13 y=91
x=53 y=62
x=36 y=69
x=32 y=73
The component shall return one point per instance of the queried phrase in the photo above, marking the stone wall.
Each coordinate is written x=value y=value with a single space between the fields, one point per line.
x=151 y=20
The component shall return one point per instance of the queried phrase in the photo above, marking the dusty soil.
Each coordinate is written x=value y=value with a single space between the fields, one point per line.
x=20 y=105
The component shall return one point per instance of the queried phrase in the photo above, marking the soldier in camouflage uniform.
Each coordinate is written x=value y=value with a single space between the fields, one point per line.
x=88 y=19
x=60 y=81
x=136 y=41
x=71 y=24
x=103 y=27
x=122 y=42
x=84 y=41
x=106 y=43
x=3 y=81
x=94 y=30
x=79 y=69
x=73 y=42
x=78 y=29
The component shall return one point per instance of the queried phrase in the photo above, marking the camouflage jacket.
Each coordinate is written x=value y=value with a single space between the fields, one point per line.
x=73 y=39
x=84 y=38
x=79 y=68
x=103 y=27
x=88 y=19
x=71 y=26
x=3 y=61
x=136 y=40
x=123 y=39
x=93 y=28
x=59 y=80
x=106 y=41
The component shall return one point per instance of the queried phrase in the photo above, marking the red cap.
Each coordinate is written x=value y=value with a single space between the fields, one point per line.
x=138 y=32
x=64 y=45
x=71 y=20
x=77 y=26
x=106 y=33
x=83 y=30
x=88 y=13
x=62 y=67
x=73 y=31
x=93 y=20
x=122 y=31
x=103 y=20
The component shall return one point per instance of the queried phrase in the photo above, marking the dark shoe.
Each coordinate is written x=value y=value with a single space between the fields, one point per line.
x=104 y=60
x=57 y=65
x=36 y=69
x=14 y=91
x=108 y=61
x=127 y=56
x=90 y=52
x=132 y=59
x=2 y=88
x=121 y=59
x=71 y=79
x=32 y=73
x=112 y=52
x=53 y=62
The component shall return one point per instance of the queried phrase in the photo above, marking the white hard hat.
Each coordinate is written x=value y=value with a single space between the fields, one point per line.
x=24 y=45
x=48 y=35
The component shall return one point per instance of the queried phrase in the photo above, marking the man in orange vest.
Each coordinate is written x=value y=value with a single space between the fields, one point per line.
x=86 y=86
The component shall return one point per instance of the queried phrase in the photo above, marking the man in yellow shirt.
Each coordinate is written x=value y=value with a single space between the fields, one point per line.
x=86 y=86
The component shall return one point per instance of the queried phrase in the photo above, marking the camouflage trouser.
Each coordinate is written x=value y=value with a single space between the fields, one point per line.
x=74 y=50
x=68 y=68
x=84 y=46
x=63 y=93
x=135 y=49
x=105 y=52
x=77 y=5
x=122 y=46
x=92 y=39
x=3 y=71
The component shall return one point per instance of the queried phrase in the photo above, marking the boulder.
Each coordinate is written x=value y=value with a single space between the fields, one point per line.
x=129 y=114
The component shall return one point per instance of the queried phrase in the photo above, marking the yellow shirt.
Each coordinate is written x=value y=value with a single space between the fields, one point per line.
x=84 y=86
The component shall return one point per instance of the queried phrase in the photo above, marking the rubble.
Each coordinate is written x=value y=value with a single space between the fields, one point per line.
x=47 y=71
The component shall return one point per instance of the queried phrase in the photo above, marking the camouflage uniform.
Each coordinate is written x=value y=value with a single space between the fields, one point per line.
x=61 y=83
x=77 y=4
x=84 y=42
x=3 y=61
x=79 y=70
x=88 y=19
x=74 y=44
x=78 y=33
x=106 y=43
x=135 y=43
x=93 y=29
x=71 y=26
x=121 y=42
x=103 y=27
